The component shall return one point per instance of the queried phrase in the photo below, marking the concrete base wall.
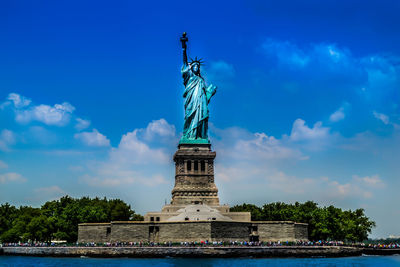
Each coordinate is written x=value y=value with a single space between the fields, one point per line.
x=228 y=231
x=94 y=232
x=300 y=230
x=275 y=231
x=190 y=231
x=181 y=232
x=127 y=232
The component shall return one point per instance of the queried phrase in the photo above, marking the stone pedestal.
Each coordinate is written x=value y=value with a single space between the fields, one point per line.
x=195 y=195
x=194 y=176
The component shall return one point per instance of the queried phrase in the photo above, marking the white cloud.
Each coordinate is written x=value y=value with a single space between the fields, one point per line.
x=382 y=117
x=362 y=187
x=338 y=115
x=135 y=160
x=58 y=115
x=370 y=181
x=93 y=138
x=301 y=132
x=7 y=138
x=265 y=147
x=11 y=177
x=3 y=165
x=159 y=128
x=137 y=151
x=386 y=120
x=239 y=144
x=269 y=184
x=81 y=124
x=260 y=164
x=18 y=100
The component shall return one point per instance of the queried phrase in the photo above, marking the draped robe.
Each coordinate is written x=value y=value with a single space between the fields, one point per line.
x=197 y=96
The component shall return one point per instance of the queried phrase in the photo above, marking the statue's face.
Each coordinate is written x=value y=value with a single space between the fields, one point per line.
x=196 y=68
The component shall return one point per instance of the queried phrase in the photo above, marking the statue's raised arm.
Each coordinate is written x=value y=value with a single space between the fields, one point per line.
x=197 y=96
x=184 y=39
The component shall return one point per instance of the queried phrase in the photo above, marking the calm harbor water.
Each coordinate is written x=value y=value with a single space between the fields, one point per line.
x=59 y=262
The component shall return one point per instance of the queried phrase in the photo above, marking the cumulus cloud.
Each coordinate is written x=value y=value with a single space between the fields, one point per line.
x=265 y=147
x=136 y=159
x=338 y=115
x=374 y=181
x=382 y=117
x=7 y=138
x=58 y=114
x=239 y=144
x=81 y=124
x=17 y=100
x=262 y=164
x=267 y=183
x=158 y=128
x=356 y=187
x=385 y=119
x=300 y=131
x=11 y=177
x=133 y=149
x=93 y=138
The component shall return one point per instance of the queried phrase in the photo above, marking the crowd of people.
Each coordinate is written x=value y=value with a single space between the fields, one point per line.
x=382 y=246
x=204 y=243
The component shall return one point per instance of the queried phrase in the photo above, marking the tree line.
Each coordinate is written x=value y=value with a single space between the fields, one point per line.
x=59 y=219
x=324 y=223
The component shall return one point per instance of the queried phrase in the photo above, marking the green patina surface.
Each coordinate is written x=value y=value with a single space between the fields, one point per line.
x=194 y=141
x=197 y=96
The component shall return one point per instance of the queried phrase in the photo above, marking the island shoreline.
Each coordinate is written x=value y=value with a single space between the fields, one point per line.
x=197 y=252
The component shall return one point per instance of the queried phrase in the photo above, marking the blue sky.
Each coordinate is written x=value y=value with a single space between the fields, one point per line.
x=307 y=105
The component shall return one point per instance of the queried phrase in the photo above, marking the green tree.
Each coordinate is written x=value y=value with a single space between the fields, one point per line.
x=59 y=219
x=18 y=230
x=256 y=212
x=40 y=228
x=324 y=223
x=8 y=214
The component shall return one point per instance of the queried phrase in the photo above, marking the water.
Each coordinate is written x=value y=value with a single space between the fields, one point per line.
x=59 y=262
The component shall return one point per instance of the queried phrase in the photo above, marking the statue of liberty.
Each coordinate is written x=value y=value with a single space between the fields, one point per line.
x=197 y=96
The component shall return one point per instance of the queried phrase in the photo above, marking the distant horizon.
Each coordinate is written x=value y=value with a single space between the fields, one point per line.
x=307 y=104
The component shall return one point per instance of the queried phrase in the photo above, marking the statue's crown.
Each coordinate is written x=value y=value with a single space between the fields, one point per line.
x=196 y=60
